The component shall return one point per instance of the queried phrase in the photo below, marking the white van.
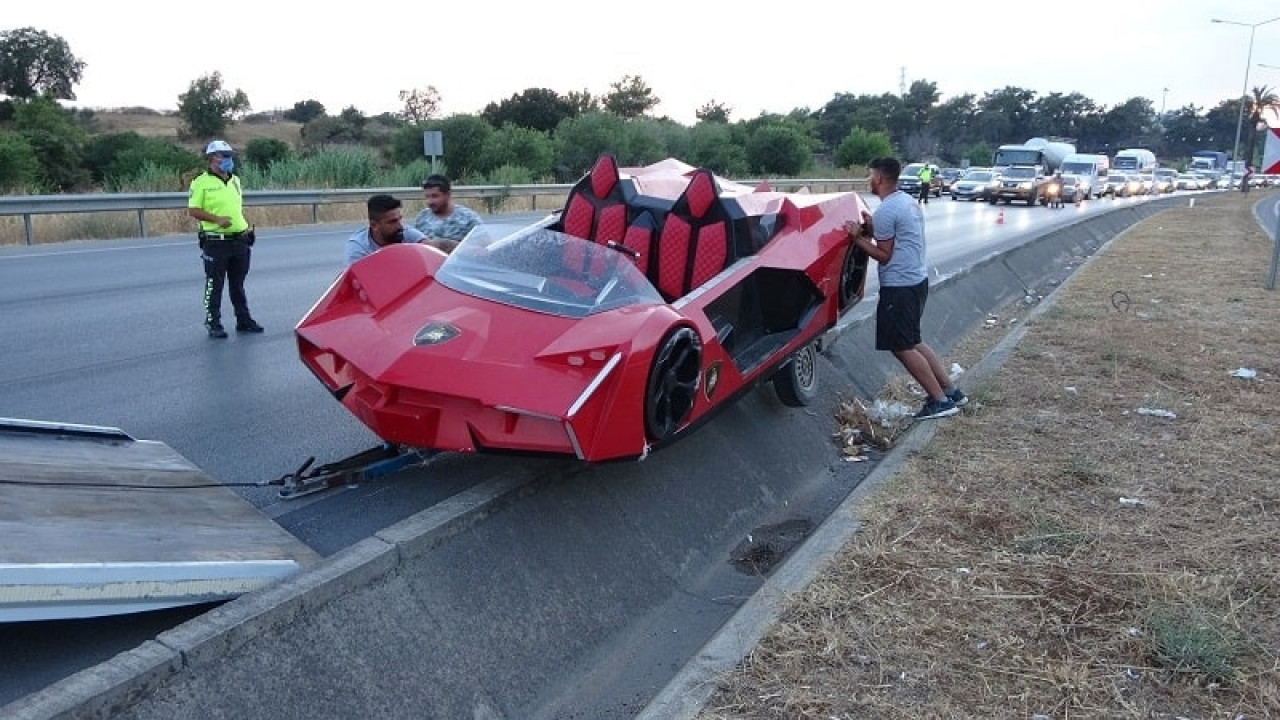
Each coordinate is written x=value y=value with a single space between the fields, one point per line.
x=1091 y=169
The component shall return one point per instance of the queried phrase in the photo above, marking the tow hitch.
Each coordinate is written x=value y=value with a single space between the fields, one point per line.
x=367 y=465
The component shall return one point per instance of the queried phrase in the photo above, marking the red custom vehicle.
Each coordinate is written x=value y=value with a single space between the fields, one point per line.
x=655 y=296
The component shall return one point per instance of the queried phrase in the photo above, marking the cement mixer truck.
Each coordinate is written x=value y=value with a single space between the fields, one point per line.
x=1024 y=169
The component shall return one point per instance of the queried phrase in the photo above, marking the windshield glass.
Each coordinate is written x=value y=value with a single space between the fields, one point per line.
x=1019 y=173
x=547 y=271
x=1018 y=156
x=1081 y=168
x=980 y=176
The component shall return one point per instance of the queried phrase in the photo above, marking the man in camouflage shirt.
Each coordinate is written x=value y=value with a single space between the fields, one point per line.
x=444 y=222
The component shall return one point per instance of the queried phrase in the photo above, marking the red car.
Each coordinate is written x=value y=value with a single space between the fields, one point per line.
x=657 y=295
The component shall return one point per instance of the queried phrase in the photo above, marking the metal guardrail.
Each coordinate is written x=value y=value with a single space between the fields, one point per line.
x=27 y=206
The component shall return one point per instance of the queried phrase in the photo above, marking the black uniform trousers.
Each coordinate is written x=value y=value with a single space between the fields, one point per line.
x=226 y=261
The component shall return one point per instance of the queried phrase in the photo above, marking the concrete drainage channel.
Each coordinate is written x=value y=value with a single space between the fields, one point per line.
x=579 y=595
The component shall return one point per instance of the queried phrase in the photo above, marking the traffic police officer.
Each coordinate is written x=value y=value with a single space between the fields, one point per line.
x=225 y=238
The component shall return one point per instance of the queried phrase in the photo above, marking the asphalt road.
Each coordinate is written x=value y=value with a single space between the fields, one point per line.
x=109 y=333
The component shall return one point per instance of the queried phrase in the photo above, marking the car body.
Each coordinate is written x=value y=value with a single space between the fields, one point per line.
x=1163 y=180
x=909 y=179
x=1123 y=185
x=1018 y=182
x=1188 y=181
x=946 y=177
x=975 y=185
x=656 y=296
x=1147 y=183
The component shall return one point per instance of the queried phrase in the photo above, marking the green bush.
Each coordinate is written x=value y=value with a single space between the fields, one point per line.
x=147 y=176
x=860 y=147
x=512 y=145
x=505 y=175
x=265 y=152
x=19 y=165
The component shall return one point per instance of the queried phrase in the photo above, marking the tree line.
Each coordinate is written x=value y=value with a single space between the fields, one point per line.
x=541 y=134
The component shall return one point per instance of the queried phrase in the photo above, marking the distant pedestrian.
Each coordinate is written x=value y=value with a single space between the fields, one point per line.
x=926 y=183
x=217 y=201
x=894 y=238
x=444 y=222
x=385 y=228
x=1246 y=179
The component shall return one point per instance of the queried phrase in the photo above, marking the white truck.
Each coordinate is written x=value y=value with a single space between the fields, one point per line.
x=1025 y=168
x=1090 y=169
x=1134 y=161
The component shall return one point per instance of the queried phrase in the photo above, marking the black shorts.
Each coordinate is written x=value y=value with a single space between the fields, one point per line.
x=898 y=316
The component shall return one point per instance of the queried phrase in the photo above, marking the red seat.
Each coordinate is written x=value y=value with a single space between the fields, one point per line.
x=695 y=242
x=596 y=209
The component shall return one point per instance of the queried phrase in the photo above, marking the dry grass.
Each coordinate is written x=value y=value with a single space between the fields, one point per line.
x=1053 y=552
x=166 y=126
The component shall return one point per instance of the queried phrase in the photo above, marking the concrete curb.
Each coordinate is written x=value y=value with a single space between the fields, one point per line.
x=103 y=690
x=687 y=694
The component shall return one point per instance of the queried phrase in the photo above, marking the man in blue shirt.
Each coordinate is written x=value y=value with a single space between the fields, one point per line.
x=894 y=237
x=385 y=228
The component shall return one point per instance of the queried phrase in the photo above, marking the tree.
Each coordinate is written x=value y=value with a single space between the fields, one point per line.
x=19 y=166
x=712 y=145
x=860 y=147
x=304 y=111
x=33 y=62
x=534 y=108
x=464 y=137
x=582 y=102
x=1005 y=115
x=1263 y=99
x=56 y=140
x=713 y=111
x=582 y=139
x=206 y=107
x=420 y=105
x=630 y=97
x=517 y=146
x=779 y=149
x=1130 y=123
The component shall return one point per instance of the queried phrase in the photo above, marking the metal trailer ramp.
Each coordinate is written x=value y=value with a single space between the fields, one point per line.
x=94 y=522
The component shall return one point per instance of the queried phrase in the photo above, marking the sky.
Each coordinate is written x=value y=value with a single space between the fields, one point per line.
x=752 y=56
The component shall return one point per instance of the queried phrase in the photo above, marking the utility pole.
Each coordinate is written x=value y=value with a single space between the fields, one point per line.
x=902 y=81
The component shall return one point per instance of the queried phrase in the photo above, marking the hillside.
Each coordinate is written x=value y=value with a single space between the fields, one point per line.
x=166 y=126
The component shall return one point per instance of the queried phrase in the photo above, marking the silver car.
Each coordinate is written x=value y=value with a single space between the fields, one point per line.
x=974 y=185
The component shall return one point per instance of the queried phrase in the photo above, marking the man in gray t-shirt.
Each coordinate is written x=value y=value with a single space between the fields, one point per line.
x=444 y=222
x=384 y=229
x=894 y=238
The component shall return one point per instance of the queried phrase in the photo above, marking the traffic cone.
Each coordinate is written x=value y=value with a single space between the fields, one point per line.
x=1000 y=217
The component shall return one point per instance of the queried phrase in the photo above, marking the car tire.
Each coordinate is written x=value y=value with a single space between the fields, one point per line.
x=673 y=383
x=853 y=275
x=796 y=382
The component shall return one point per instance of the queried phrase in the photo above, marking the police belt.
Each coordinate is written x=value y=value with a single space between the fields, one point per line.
x=205 y=235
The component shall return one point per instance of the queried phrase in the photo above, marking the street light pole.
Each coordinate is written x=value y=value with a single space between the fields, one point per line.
x=1244 y=93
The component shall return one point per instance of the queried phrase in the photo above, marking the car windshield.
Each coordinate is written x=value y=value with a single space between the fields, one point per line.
x=980 y=176
x=547 y=271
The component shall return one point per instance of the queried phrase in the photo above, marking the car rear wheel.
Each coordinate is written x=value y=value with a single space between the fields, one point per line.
x=673 y=383
x=796 y=382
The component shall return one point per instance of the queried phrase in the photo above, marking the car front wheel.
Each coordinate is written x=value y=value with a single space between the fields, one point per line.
x=673 y=383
